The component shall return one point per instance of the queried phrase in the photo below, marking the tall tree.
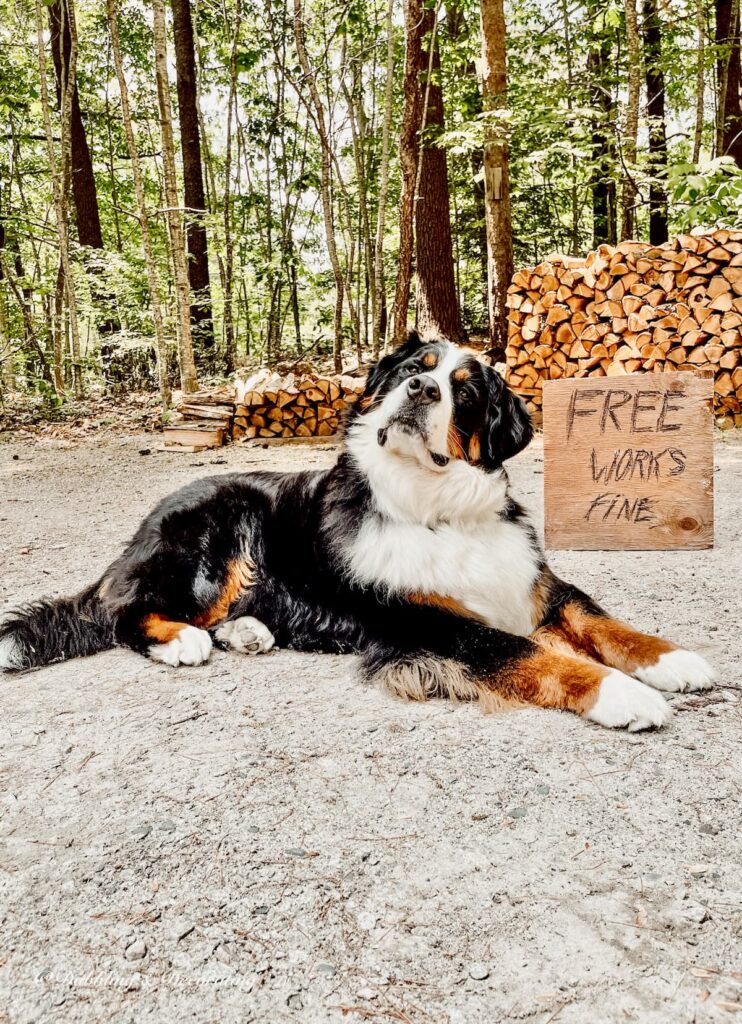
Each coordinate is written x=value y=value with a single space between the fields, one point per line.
x=700 y=78
x=59 y=174
x=496 y=169
x=84 y=190
x=603 y=182
x=729 y=80
x=437 y=299
x=326 y=160
x=188 y=379
x=409 y=150
x=379 y=324
x=193 y=179
x=631 y=126
x=61 y=15
x=655 y=81
x=153 y=277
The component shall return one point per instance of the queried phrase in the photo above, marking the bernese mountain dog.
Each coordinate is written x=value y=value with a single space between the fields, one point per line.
x=410 y=551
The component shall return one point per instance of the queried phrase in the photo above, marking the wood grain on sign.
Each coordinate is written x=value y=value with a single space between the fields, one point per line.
x=628 y=462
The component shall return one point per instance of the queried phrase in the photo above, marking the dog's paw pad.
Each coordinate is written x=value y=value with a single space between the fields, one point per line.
x=192 y=646
x=624 y=703
x=246 y=635
x=676 y=671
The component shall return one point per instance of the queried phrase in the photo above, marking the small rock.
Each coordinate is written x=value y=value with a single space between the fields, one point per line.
x=136 y=950
x=327 y=969
x=295 y=1002
x=168 y=825
x=517 y=812
x=296 y=851
x=366 y=921
x=367 y=993
x=709 y=829
x=261 y=910
x=142 y=832
x=478 y=972
x=134 y=983
x=145 y=451
x=543 y=789
x=698 y=870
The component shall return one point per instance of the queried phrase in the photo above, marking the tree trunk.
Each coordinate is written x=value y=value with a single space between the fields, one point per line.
x=153 y=277
x=380 y=287
x=700 y=78
x=59 y=175
x=437 y=299
x=325 y=181
x=230 y=341
x=83 y=179
x=193 y=181
x=496 y=166
x=655 y=80
x=603 y=183
x=84 y=191
x=631 y=129
x=188 y=377
x=729 y=76
x=409 y=150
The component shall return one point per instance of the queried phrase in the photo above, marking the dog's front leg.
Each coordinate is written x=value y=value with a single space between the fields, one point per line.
x=580 y=625
x=428 y=653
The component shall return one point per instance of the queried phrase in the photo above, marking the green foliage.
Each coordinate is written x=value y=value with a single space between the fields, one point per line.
x=707 y=194
x=557 y=99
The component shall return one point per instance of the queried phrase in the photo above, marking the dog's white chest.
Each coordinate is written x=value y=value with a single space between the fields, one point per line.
x=488 y=567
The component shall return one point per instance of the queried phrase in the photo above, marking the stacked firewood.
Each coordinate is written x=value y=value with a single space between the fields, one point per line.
x=204 y=420
x=628 y=308
x=268 y=405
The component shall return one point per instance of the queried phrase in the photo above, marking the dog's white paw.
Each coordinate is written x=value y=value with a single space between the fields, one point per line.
x=192 y=646
x=246 y=635
x=624 y=703
x=678 y=670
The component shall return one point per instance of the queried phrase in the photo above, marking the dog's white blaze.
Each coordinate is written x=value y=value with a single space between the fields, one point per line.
x=438 y=415
x=625 y=703
x=678 y=670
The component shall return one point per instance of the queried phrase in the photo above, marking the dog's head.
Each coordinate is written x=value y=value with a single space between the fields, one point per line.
x=439 y=402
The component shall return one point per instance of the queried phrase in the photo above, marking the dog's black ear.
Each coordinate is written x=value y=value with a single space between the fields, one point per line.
x=377 y=372
x=508 y=428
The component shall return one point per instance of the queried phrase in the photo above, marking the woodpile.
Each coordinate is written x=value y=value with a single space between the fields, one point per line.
x=270 y=405
x=632 y=307
x=204 y=421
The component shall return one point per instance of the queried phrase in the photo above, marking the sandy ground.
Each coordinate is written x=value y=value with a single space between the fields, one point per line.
x=267 y=840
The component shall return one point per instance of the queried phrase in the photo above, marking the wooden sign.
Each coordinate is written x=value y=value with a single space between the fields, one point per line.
x=628 y=462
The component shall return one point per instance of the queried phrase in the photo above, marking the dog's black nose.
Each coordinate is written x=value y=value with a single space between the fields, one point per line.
x=423 y=389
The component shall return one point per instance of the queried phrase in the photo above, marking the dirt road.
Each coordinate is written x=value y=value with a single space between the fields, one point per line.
x=267 y=840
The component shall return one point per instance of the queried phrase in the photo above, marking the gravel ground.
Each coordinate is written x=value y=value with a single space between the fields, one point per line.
x=267 y=840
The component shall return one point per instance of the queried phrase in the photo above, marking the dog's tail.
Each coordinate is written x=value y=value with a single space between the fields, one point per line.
x=55 y=630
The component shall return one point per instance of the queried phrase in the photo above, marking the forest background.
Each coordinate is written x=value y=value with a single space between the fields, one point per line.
x=194 y=187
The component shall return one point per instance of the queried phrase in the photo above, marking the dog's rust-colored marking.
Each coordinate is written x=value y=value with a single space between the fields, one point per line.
x=159 y=628
x=430 y=360
x=604 y=639
x=475 y=449
x=455 y=443
x=448 y=604
x=239 y=576
x=461 y=374
x=550 y=679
